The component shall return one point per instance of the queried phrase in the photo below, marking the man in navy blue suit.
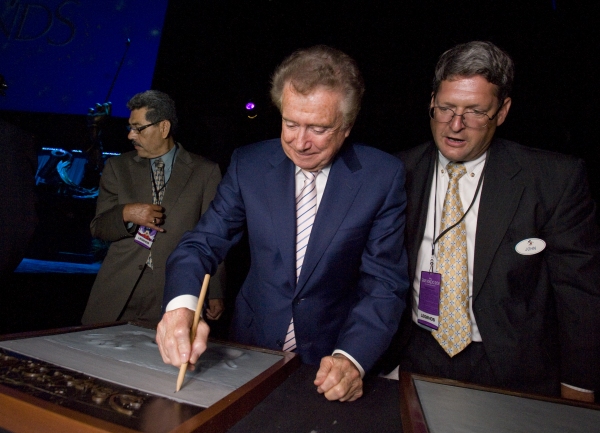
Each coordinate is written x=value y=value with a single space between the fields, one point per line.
x=342 y=305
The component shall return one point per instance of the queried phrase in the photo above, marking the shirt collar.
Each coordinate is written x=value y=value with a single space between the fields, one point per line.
x=324 y=170
x=473 y=166
x=167 y=157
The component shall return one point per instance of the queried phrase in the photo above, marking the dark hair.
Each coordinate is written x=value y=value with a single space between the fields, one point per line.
x=160 y=107
x=477 y=58
x=317 y=66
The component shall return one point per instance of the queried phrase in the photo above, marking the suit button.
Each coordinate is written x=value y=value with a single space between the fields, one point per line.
x=297 y=301
x=279 y=343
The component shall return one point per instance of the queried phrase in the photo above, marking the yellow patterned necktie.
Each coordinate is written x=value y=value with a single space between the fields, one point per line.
x=454 y=331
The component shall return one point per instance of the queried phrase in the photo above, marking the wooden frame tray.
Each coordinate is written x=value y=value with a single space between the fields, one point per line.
x=431 y=405
x=39 y=395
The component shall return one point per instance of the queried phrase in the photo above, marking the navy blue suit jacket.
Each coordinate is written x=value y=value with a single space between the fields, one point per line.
x=351 y=291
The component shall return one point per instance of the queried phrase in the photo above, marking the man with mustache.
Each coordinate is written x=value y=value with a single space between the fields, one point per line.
x=148 y=198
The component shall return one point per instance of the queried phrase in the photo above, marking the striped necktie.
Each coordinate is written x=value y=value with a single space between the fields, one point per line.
x=306 y=209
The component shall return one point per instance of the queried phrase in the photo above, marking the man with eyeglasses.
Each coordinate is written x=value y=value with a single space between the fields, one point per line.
x=148 y=198
x=504 y=251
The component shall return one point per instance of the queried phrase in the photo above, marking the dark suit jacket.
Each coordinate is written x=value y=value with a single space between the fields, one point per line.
x=351 y=290
x=126 y=179
x=539 y=315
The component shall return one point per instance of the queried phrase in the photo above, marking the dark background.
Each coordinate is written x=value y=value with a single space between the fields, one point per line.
x=215 y=56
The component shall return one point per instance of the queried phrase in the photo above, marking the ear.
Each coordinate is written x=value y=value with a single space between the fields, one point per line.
x=503 y=111
x=347 y=131
x=165 y=128
x=432 y=103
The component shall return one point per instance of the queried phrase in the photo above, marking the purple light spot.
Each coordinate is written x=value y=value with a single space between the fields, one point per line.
x=250 y=106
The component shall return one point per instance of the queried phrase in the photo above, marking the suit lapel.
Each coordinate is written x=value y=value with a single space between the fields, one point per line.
x=500 y=197
x=280 y=187
x=179 y=177
x=343 y=183
x=419 y=181
x=139 y=168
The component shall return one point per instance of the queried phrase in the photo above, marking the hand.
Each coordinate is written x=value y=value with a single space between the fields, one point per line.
x=573 y=394
x=339 y=379
x=173 y=337
x=215 y=309
x=143 y=214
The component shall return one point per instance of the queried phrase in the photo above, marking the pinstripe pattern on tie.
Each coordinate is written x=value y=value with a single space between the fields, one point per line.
x=306 y=209
x=158 y=192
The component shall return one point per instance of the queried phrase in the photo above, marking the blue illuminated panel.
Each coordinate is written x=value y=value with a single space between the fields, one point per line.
x=61 y=56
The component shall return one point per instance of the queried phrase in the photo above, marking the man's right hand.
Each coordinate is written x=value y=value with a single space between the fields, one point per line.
x=173 y=337
x=143 y=214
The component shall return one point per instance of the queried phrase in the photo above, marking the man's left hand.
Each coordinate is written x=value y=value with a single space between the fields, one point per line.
x=339 y=379
x=215 y=308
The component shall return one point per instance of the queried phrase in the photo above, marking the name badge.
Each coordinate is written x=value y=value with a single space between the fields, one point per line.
x=528 y=247
x=428 y=313
x=145 y=236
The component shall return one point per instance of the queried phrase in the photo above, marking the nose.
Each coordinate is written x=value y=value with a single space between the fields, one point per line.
x=130 y=135
x=302 y=139
x=456 y=124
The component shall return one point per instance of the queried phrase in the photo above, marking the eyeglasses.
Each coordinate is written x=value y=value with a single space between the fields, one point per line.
x=141 y=128
x=470 y=119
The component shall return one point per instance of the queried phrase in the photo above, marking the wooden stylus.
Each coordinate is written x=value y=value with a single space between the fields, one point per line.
x=197 y=316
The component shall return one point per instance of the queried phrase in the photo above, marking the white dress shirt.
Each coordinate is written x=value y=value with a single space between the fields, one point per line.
x=467 y=185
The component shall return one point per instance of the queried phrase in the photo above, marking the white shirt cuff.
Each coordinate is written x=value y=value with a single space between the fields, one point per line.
x=577 y=389
x=184 y=301
x=356 y=364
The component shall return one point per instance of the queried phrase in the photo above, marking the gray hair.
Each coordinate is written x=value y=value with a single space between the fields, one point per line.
x=160 y=107
x=477 y=58
x=307 y=69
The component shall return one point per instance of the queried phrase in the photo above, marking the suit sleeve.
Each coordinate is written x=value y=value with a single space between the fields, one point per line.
x=201 y=250
x=383 y=282
x=573 y=241
x=216 y=288
x=108 y=223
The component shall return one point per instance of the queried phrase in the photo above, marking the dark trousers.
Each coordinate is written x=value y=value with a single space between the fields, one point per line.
x=424 y=355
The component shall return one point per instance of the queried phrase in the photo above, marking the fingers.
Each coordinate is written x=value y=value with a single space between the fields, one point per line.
x=144 y=214
x=215 y=309
x=338 y=379
x=173 y=336
x=199 y=345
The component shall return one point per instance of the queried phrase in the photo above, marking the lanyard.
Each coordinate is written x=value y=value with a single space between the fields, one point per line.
x=436 y=239
x=156 y=190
